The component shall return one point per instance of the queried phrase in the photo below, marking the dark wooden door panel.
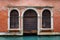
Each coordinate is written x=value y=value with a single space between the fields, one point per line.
x=30 y=22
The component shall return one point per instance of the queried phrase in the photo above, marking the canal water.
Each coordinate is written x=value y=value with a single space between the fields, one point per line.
x=29 y=37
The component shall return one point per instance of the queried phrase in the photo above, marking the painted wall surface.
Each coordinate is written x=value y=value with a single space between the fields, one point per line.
x=4 y=11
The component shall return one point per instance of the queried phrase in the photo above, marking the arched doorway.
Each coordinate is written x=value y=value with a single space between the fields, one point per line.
x=30 y=22
x=46 y=19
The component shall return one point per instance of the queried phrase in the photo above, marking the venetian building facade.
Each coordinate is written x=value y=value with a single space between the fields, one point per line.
x=30 y=16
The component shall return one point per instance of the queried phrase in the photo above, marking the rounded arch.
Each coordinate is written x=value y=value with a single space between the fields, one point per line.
x=46 y=9
x=30 y=18
x=46 y=19
x=14 y=20
x=31 y=13
x=46 y=12
x=10 y=14
x=51 y=11
x=14 y=13
x=38 y=21
x=31 y=9
x=10 y=9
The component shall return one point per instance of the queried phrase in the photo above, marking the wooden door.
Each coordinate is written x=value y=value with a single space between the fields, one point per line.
x=30 y=21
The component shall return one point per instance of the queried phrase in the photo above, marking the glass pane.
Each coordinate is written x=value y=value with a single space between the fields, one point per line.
x=46 y=19
x=14 y=20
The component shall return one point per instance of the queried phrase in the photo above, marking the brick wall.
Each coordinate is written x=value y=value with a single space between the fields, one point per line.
x=4 y=10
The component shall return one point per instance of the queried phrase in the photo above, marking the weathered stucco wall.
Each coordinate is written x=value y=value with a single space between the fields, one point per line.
x=3 y=21
x=4 y=10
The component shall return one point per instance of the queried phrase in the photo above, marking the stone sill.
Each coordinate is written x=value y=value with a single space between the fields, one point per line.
x=49 y=33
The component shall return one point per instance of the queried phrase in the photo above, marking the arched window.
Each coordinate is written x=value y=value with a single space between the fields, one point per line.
x=46 y=19
x=14 y=20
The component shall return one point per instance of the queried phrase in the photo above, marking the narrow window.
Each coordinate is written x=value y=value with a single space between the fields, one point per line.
x=46 y=19
x=14 y=20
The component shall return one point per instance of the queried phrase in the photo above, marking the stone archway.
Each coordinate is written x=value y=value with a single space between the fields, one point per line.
x=30 y=21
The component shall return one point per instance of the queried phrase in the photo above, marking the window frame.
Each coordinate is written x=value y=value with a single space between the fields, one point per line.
x=9 y=10
x=51 y=11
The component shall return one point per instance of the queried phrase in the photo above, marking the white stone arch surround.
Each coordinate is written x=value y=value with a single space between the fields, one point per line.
x=38 y=21
x=51 y=11
x=9 y=10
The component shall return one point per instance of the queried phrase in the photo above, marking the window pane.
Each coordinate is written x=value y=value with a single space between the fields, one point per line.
x=46 y=19
x=14 y=20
